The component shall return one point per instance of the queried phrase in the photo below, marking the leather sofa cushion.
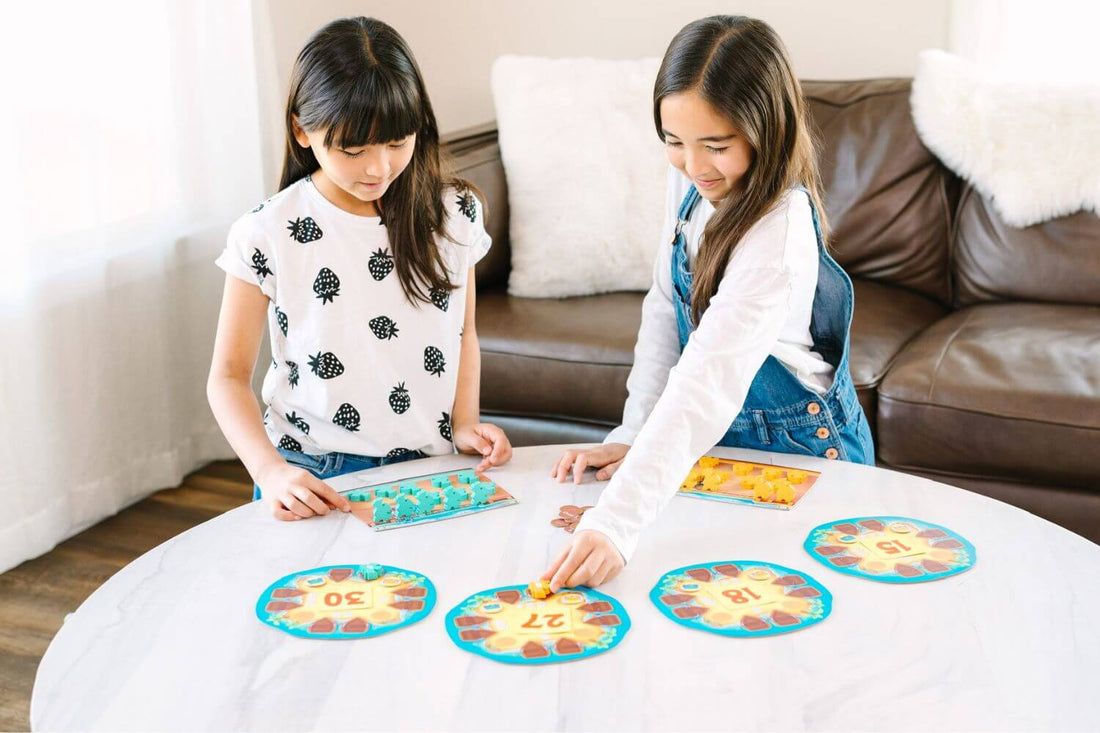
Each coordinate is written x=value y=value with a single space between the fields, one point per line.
x=885 y=319
x=1006 y=391
x=888 y=200
x=1057 y=261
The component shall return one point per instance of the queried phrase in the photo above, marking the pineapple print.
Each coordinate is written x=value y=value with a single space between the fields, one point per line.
x=327 y=285
x=259 y=264
x=325 y=365
x=444 y=425
x=304 y=230
x=289 y=443
x=347 y=417
x=297 y=422
x=293 y=377
x=467 y=206
x=380 y=264
x=280 y=316
x=383 y=327
x=398 y=453
x=441 y=298
x=433 y=361
x=399 y=399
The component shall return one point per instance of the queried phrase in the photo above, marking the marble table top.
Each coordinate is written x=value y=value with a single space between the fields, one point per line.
x=172 y=641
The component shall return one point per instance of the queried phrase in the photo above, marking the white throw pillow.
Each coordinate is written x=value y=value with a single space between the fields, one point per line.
x=586 y=173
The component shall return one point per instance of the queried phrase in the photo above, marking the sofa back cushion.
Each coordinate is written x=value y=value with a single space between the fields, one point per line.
x=1057 y=261
x=889 y=200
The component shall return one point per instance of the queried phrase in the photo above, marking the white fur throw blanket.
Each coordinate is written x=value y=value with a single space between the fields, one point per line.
x=1033 y=149
x=586 y=173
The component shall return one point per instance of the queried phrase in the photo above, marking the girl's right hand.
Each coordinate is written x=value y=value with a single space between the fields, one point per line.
x=607 y=458
x=294 y=493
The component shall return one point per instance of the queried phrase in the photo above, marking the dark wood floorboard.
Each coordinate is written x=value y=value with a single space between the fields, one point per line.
x=36 y=596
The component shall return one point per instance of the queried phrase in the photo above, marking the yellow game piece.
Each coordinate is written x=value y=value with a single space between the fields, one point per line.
x=694 y=476
x=763 y=491
x=796 y=477
x=742 y=469
x=539 y=589
x=784 y=492
x=714 y=480
x=772 y=473
x=687 y=486
x=708 y=461
x=750 y=482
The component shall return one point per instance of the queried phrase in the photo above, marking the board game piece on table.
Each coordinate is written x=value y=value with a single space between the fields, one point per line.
x=891 y=549
x=427 y=498
x=744 y=482
x=569 y=516
x=539 y=589
x=346 y=601
x=508 y=625
x=741 y=598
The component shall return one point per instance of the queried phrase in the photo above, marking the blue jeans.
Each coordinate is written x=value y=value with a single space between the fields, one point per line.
x=328 y=465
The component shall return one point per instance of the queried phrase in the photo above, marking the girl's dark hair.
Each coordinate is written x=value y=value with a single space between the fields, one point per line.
x=741 y=68
x=357 y=80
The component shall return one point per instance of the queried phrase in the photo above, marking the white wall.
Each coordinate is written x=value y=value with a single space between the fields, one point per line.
x=455 y=41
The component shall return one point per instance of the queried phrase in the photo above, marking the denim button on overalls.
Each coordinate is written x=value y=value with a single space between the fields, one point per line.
x=780 y=413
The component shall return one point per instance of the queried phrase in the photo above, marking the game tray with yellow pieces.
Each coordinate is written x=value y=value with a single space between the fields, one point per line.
x=428 y=498
x=520 y=624
x=744 y=482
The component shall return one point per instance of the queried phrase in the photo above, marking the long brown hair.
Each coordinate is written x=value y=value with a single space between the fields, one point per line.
x=741 y=68
x=357 y=79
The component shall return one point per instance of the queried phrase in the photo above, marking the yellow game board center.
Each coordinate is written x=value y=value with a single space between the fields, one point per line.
x=742 y=469
x=796 y=477
x=771 y=474
x=708 y=461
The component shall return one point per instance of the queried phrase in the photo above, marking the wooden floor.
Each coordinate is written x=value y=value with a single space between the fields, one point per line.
x=35 y=596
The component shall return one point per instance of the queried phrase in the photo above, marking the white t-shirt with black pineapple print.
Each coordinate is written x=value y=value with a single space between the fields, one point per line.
x=356 y=367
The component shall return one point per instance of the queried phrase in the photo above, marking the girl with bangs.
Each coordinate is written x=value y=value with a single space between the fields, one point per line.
x=362 y=264
x=745 y=332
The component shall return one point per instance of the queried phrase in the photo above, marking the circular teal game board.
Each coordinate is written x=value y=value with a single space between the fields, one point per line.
x=744 y=598
x=509 y=625
x=346 y=601
x=890 y=549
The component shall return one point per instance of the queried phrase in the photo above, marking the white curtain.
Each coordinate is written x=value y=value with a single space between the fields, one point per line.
x=132 y=142
x=1053 y=41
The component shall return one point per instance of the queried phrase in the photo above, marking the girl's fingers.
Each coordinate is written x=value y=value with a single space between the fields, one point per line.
x=584 y=573
x=329 y=494
x=613 y=571
x=279 y=512
x=608 y=471
x=310 y=499
x=563 y=465
x=578 y=467
x=568 y=566
x=300 y=510
x=601 y=575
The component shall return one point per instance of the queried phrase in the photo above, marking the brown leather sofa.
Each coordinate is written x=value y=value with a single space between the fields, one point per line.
x=975 y=346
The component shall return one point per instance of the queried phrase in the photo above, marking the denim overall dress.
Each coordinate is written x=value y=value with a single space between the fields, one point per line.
x=780 y=413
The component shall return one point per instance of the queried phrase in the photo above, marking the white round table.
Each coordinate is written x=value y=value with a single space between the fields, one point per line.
x=172 y=641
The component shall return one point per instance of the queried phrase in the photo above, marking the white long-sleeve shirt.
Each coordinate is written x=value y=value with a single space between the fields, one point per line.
x=680 y=405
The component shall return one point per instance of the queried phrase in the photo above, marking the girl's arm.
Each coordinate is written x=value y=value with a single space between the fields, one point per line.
x=470 y=434
x=292 y=493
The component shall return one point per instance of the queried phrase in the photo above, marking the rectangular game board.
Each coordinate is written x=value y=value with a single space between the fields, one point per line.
x=428 y=498
x=744 y=482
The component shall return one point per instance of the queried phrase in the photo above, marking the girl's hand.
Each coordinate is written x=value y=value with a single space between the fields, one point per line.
x=589 y=559
x=607 y=458
x=294 y=493
x=485 y=440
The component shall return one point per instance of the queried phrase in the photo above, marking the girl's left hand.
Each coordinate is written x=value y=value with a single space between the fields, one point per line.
x=486 y=440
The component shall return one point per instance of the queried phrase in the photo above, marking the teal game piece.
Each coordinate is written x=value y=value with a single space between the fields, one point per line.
x=389 y=492
x=383 y=512
x=482 y=490
x=372 y=571
x=468 y=477
x=453 y=497
x=428 y=500
x=441 y=482
x=409 y=487
x=359 y=495
x=407 y=507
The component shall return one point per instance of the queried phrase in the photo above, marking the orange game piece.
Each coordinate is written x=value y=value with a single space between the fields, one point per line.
x=539 y=589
